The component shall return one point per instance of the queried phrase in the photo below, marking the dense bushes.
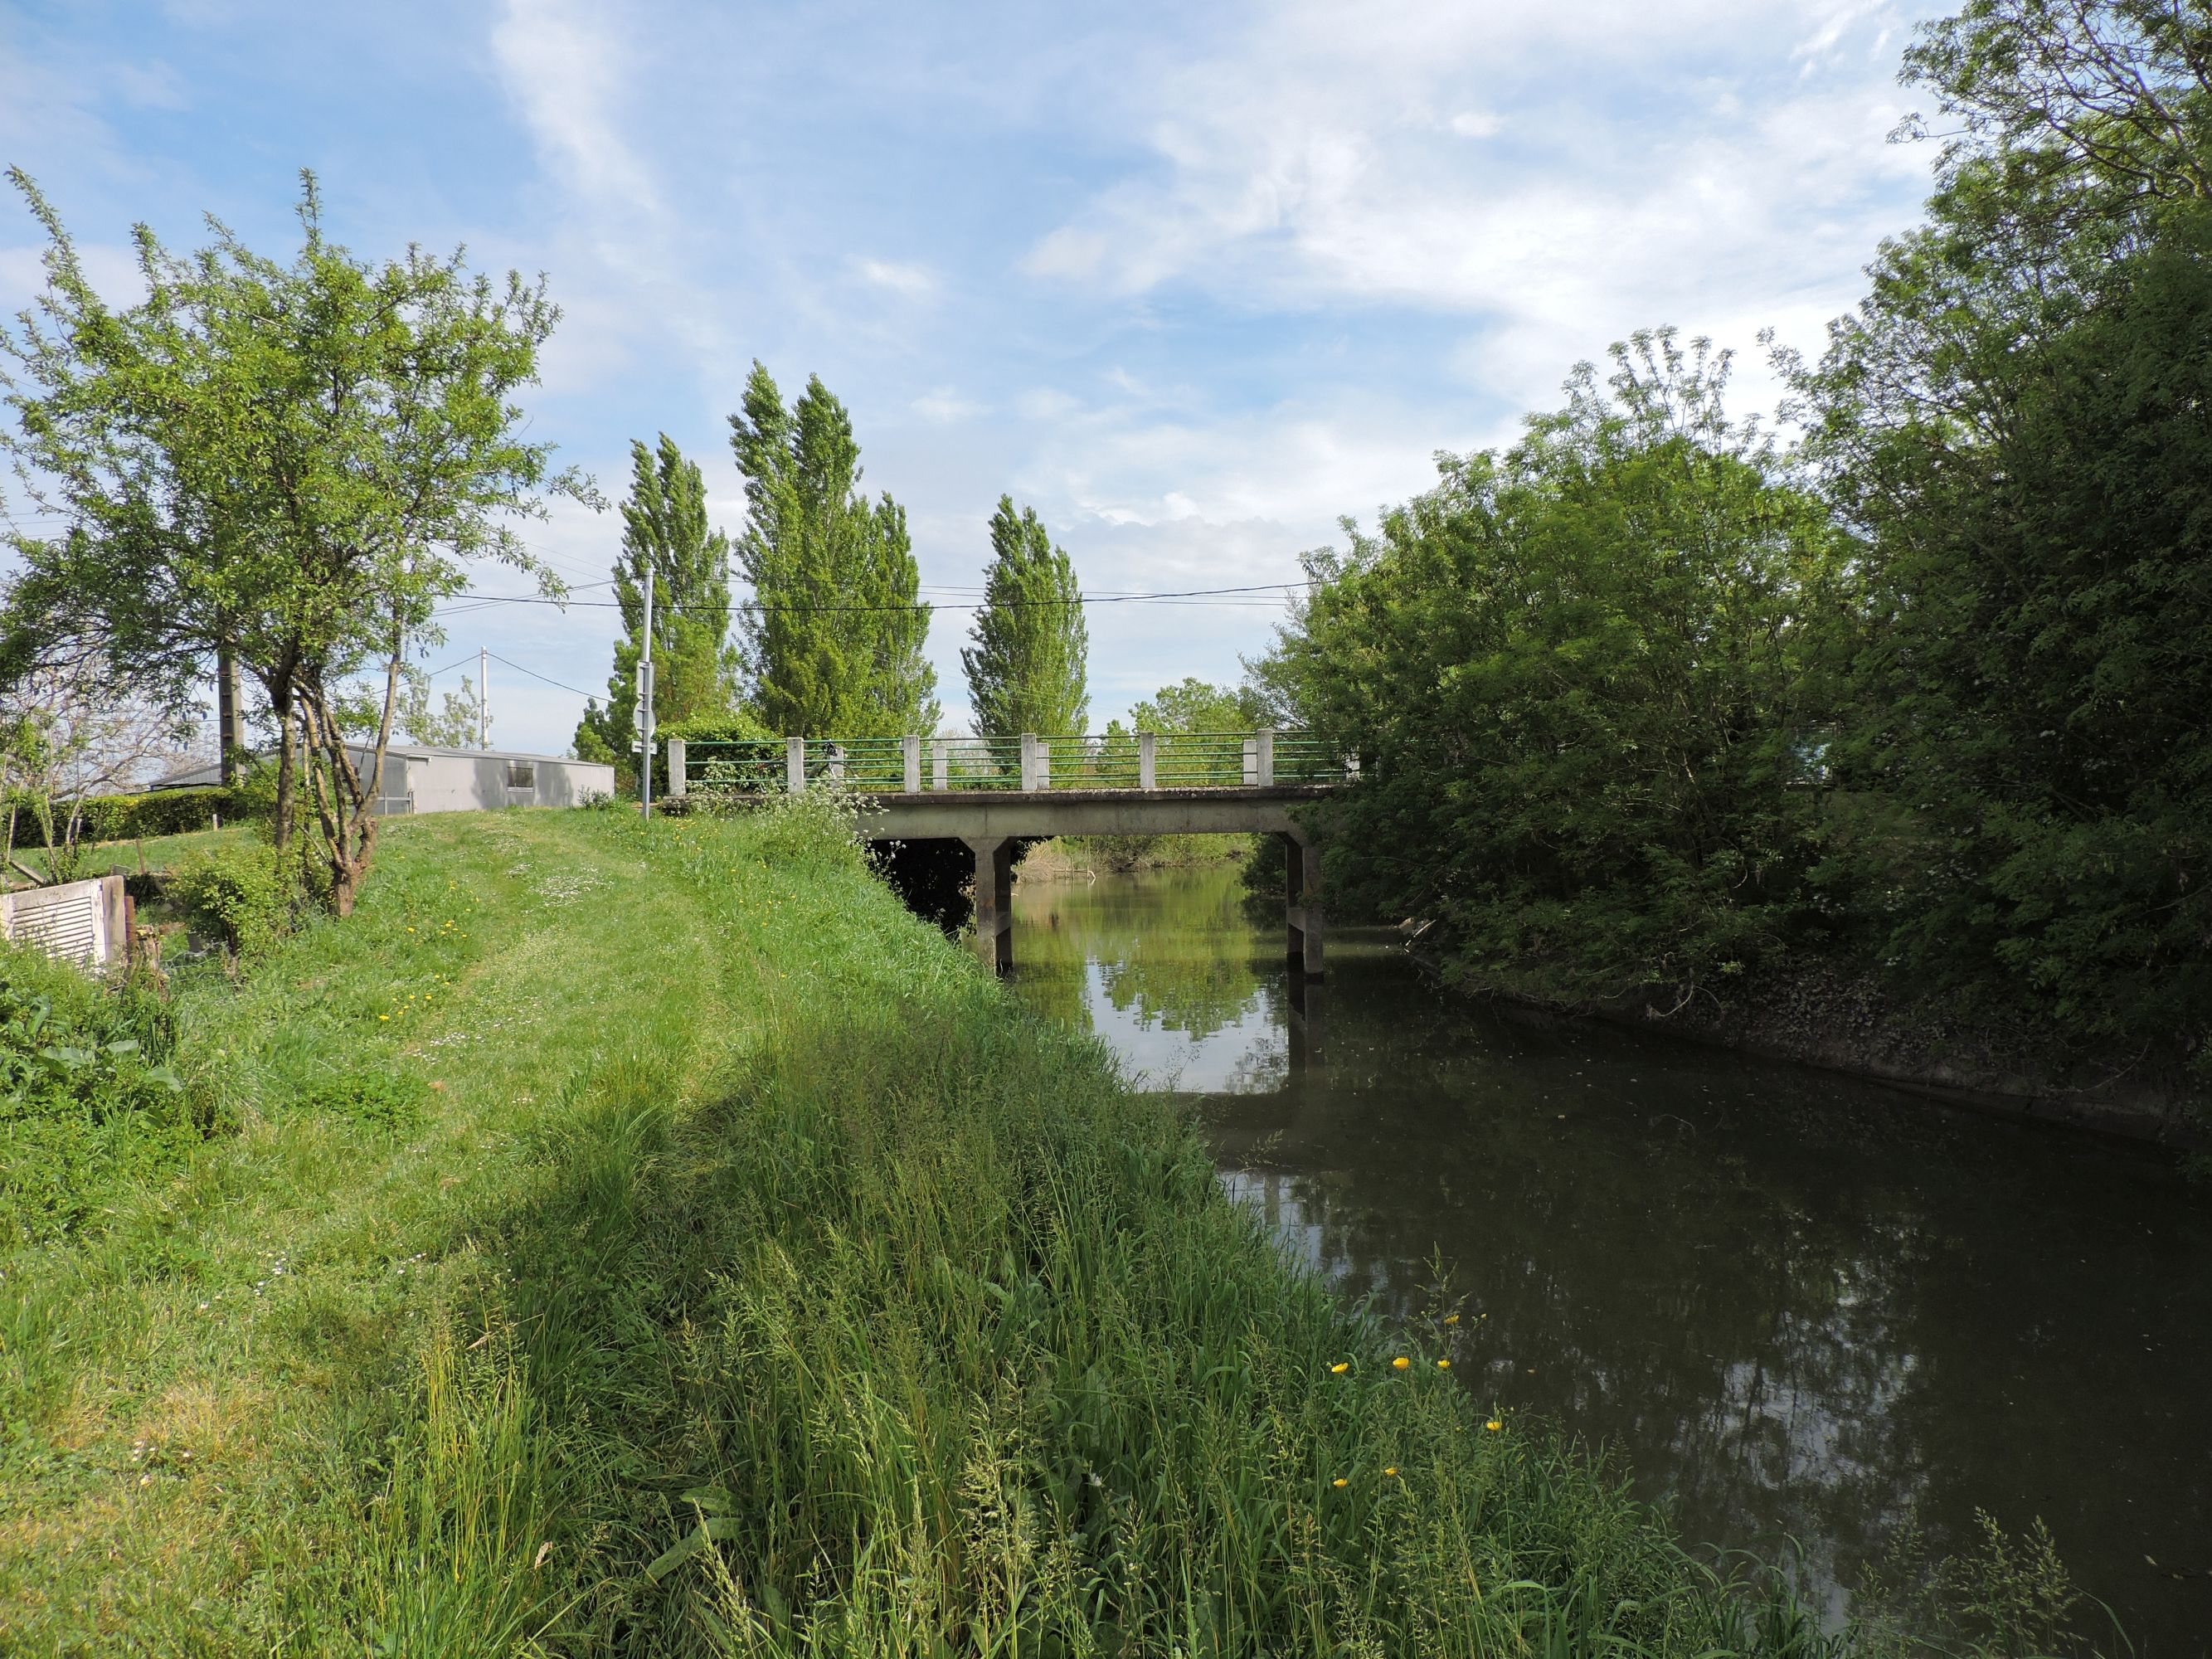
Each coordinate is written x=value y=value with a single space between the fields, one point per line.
x=160 y=812
x=242 y=889
x=1587 y=676
x=86 y=1100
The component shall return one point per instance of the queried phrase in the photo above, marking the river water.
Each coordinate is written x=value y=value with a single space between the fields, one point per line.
x=1802 y=1308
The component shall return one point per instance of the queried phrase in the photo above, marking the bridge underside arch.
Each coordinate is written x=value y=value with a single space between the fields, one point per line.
x=989 y=824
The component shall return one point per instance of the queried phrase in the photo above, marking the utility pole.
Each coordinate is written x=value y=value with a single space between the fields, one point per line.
x=229 y=714
x=645 y=706
x=483 y=699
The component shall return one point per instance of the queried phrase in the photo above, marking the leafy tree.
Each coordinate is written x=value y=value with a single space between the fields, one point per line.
x=1193 y=705
x=458 y=723
x=1027 y=669
x=2018 y=416
x=1588 y=674
x=665 y=530
x=298 y=460
x=832 y=643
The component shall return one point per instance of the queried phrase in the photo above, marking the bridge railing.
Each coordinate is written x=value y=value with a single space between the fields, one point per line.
x=1031 y=763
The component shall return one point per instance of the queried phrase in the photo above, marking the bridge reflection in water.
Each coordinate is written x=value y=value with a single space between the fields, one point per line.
x=1799 y=1306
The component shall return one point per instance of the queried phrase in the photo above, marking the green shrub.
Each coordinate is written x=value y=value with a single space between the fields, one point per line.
x=160 y=812
x=241 y=889
x=88 y=1103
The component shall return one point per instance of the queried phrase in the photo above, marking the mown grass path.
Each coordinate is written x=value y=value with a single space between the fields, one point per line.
x=653 y=1240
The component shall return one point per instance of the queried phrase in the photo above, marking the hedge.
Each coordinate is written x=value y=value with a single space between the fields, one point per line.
x=159 y=812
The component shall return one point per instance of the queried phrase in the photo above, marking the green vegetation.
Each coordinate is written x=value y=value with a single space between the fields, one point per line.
x=286 y=464
x=1654 y=705
x=835 y=1305
x=1028 y=666
x=665 y=530
x=833 y=644
x=89 y=1103
x=1583 y=668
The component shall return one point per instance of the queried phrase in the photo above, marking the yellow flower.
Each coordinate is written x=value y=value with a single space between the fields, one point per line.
x=1392 y=1471
x=1444 y=1365
x=1451 y=1319
x=1339 y=1481
x=411 y=929
x=384 y=1017
x=1494 y=1425
x=1340 y=1367
x=1400 y=1363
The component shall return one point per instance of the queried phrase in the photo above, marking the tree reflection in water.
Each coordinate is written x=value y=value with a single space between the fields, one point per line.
x=1799 y=1307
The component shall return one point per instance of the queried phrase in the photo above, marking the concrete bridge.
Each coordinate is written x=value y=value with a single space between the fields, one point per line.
x=992 y=792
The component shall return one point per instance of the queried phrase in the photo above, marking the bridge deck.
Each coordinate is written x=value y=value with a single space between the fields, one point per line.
x=980 y=815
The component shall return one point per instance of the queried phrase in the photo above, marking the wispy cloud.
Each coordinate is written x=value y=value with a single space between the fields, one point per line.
x=912 y=280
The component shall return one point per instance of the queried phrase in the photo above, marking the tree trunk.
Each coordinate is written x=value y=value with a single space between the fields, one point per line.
x=281 y=702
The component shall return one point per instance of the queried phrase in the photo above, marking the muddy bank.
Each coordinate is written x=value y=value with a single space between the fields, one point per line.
x=1817 y=1015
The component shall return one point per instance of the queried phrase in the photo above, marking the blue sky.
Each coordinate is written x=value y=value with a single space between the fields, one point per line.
x=1194 y=281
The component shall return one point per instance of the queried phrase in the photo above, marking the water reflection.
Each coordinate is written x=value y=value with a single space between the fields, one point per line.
x=1797 y=1305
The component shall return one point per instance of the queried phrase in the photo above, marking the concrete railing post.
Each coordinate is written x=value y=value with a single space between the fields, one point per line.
x=1148 y=759
x=1266 y=745
x=1251 y=762
x=912 y=745
x=940 y=765
x=794 y=765
x=675 y=766
x=1028 y=762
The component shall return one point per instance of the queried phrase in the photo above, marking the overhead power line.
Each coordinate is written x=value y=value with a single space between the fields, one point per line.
x=1193 y=595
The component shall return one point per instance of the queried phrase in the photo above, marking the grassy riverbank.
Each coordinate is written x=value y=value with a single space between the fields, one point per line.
x=655 y=1241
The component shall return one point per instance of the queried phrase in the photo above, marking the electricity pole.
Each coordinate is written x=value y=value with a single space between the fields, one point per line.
x=645 y=706
x=483 y=699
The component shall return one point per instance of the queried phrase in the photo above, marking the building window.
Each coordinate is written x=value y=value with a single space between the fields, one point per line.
x=522 y=774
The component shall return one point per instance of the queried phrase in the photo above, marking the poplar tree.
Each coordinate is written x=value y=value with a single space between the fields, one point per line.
x=665 y=530
x=1027 y=671
x=832 y=644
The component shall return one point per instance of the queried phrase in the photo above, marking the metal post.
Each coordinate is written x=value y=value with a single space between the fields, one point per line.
x=645 y=706
x=1265 y=743
x=912 y=744
x=483 y=698
x=1028 y=762
x=794 y=765
x=940 y=767
x=676 y=785
x=1148 y=751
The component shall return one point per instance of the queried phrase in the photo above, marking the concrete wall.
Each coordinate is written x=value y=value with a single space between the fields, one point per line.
x=466 y=782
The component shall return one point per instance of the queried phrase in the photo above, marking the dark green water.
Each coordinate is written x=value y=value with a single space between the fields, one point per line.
x=1797 y=1306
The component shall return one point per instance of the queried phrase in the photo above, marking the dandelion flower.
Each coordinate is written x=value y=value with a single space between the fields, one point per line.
x=1392 y=1471
x=1444 y=1365
x=1339 y=1482
x=1340 y=1367
x=384 y=1017
x=1494 y=1425
x=1400 y=1363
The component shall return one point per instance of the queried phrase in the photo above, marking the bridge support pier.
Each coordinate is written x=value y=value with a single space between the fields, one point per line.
x=994 y=900
x=1302 y=906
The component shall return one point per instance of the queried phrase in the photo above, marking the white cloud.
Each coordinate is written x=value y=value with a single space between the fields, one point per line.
x=945 y=405
x=566 y=72
x=912 y=280
x=1476 y=124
